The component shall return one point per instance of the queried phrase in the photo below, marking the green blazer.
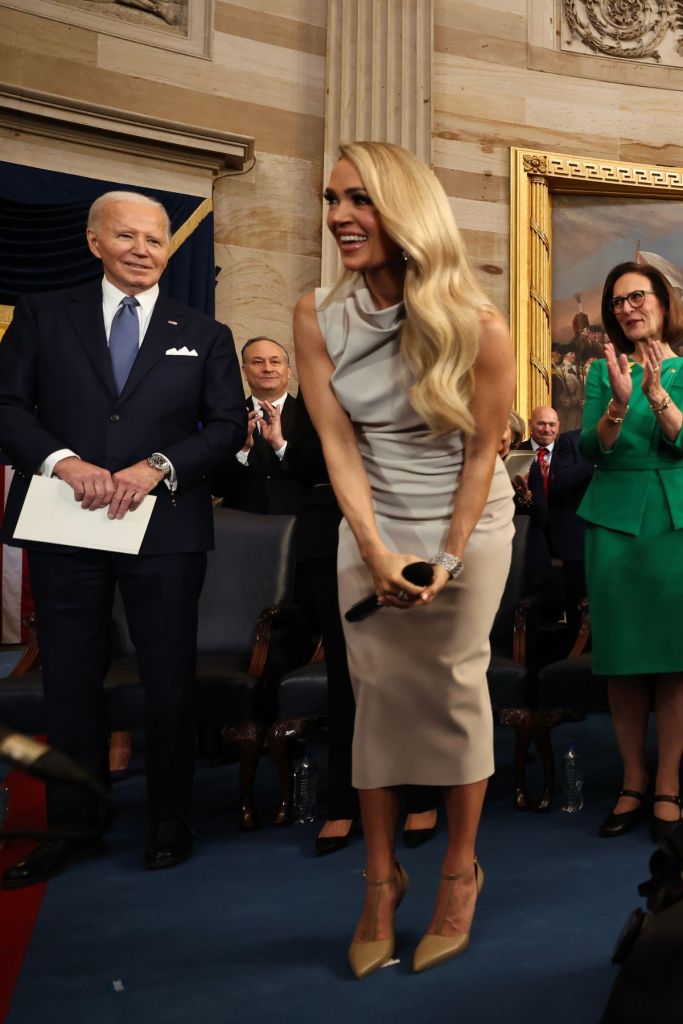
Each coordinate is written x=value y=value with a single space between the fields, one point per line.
x=617 y=493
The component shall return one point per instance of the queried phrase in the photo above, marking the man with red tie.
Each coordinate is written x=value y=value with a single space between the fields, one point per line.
x=531 y=493
x=543 y=429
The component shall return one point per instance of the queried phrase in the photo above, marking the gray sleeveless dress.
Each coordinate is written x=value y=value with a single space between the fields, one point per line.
x=423 y=714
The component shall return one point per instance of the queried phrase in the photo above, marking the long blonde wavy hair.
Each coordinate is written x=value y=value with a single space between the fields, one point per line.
x=440 y=337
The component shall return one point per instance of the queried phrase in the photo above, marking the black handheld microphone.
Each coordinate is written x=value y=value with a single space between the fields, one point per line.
x=419 y=573
x=45 y=762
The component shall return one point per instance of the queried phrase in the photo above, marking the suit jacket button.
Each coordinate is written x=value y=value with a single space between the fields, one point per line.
x=115 y=418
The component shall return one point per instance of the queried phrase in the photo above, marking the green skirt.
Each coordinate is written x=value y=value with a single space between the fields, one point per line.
x=635 y=593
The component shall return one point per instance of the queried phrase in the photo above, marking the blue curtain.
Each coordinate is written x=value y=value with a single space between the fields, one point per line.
x=43 y=216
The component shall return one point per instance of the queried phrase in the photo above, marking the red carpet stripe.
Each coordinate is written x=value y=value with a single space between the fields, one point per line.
x=19 y=909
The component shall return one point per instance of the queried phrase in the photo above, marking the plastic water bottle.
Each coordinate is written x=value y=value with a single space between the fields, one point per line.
x=305 y=796
x=572 y=782
x=4 y=808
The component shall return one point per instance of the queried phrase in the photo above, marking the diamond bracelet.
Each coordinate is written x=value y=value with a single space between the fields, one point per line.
x=451 y=563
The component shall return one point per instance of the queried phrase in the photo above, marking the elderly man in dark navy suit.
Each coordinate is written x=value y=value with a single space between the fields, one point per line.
x=120 y=392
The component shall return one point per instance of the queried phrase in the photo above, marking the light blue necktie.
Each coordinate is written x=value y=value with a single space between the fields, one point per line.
x=124 y=340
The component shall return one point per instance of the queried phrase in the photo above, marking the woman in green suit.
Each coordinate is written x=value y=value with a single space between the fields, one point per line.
x=634 y=543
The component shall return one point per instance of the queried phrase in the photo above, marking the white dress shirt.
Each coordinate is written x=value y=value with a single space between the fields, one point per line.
x=548 y=447
x=243 y=454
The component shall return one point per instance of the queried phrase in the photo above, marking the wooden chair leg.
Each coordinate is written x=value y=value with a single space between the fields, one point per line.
x=279 y=740
x=521 y=720
x=544 y=721
x=248 y=736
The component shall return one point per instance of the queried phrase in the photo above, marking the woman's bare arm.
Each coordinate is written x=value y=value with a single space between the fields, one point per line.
x=343 y=458
x=494 y=391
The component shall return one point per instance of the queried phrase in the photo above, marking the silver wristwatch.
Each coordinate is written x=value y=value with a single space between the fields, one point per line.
x=158 y=461
x=451 y=563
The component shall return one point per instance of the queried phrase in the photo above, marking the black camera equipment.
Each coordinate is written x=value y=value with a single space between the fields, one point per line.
x=649 y=949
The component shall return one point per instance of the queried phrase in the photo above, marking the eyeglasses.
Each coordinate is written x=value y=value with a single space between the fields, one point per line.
x=634 y=299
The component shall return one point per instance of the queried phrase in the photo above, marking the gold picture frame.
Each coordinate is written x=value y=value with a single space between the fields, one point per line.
x=6 y=314
x=535 y=175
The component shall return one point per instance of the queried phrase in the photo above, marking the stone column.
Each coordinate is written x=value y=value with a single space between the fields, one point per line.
x=379 y=66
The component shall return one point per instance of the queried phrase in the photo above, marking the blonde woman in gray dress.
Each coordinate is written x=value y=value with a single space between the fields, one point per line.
x=408 y=373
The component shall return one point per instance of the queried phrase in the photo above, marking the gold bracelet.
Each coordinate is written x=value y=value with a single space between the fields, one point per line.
x=610 y=417
x=659 y=409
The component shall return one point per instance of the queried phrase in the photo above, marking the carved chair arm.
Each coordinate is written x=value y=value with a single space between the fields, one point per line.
x=583 y=636
x=31 y=656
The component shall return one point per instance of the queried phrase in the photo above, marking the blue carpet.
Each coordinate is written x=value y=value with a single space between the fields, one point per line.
x=254 y=928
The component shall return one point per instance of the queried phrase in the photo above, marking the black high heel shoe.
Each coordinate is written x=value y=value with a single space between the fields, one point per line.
x=617 y=824
x=660 y=827
x=414 y=837
x=330 y=844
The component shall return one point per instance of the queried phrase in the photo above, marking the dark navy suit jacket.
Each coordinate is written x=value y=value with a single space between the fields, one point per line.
x=266 y=484
x=57 y=391
x=570 y=474
x=538 y=560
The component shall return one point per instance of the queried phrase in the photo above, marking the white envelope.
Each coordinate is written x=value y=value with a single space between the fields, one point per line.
x=184 y=351
x=51 y=515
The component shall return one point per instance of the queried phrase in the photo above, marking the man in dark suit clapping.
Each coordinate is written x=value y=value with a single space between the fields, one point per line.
x=273 y=472
x=119 y=392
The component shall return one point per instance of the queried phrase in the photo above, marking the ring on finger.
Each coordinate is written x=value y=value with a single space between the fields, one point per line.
x=403 y=595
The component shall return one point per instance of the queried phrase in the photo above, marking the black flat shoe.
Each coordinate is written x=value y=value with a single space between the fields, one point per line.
x=659 y=827
x=170 y=843
x=49 y=859
x=617 y=824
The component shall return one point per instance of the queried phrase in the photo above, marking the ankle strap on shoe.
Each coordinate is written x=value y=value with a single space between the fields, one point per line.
x=382 y=881
x=666 y=798
x=632 y=793
x=460 y=874
x=398 y=873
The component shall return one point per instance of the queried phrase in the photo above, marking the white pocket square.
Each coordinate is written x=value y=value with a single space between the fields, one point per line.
x=184 y=351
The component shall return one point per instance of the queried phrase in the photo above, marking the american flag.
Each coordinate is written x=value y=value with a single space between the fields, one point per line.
x=15 y=594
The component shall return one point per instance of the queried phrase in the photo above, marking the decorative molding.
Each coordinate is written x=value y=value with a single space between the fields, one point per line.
x=575 y=173
x=626 y=29
x=142 y=21
x=535 y=164
x=534 y=178
x=58 y=117
x=551 y=46
x=379 y=78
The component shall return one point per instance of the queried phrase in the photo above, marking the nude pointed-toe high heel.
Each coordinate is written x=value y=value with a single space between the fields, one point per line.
x=366 y=957
x=434 y=949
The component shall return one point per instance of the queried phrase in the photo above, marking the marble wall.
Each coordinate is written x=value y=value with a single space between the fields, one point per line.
x=500 y=80
x=266 y=79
